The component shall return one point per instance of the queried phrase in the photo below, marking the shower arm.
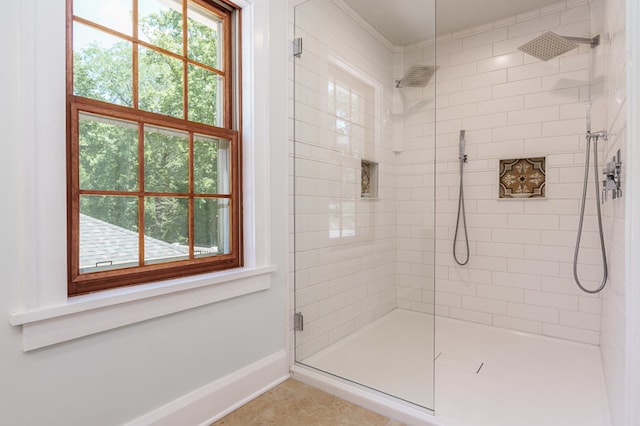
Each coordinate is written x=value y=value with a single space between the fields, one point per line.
x=593 y=42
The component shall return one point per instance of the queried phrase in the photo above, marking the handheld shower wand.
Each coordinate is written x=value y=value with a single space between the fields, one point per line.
x=591 y=137
x=461 y=155
x=461 y=212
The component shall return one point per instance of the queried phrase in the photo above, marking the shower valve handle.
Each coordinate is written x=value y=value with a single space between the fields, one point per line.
x=612 y=172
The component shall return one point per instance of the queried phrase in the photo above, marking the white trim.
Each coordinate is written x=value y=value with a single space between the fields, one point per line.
x=90 y=314
x=376 y=402
x=632 y=214
x=217 y=399
x=135 y=293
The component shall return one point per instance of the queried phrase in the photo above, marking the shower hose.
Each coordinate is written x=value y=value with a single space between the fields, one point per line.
x=461 y=212
x=584 y=197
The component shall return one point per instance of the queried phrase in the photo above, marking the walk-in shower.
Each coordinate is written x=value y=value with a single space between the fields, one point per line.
x=364 y=114
x=385 y=184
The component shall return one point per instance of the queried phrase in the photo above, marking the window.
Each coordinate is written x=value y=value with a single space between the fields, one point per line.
x=351 y=105
x=154 y=156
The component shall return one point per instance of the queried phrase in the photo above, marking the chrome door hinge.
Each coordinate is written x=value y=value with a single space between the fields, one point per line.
x=297 y=47
x=298 y=321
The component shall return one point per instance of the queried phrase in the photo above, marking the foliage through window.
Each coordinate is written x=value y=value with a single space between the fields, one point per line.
x=154 y=171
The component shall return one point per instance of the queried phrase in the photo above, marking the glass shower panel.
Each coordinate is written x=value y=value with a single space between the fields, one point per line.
x=363 y=153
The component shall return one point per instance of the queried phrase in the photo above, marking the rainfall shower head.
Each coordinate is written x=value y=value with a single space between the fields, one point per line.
x=417 y=76
x=550 y=45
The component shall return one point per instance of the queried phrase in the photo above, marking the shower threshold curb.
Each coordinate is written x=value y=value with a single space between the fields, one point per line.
x=364 y=397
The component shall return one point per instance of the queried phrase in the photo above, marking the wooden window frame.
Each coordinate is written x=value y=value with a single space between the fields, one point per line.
x=81 y=283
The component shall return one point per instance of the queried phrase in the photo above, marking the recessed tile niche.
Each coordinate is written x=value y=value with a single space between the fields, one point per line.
x=369 y=179
x=522 y=178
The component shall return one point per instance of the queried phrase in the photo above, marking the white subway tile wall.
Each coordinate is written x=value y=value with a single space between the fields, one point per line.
x=512 y=106
x=345 y=245
x=608 y=68
x=358 y=259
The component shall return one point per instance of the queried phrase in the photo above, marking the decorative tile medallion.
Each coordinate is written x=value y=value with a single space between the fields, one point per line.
x=522 y=178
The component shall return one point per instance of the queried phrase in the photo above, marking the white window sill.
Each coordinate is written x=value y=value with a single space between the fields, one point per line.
x=84 y=315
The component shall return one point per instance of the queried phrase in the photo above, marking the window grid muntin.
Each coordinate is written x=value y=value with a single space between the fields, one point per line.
x=84 y=283
x=229 y=136
x=224 y=50
x=116 y=112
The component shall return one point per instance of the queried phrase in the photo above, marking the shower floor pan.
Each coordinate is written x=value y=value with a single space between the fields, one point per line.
x=484 y=376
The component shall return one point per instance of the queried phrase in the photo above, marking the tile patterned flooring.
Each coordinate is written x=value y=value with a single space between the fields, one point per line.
x=295 y=404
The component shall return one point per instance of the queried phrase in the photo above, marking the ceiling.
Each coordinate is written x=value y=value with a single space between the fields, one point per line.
x=405 y=22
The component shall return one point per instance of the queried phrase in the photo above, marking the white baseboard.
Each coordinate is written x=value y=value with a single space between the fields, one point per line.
x=217 y=399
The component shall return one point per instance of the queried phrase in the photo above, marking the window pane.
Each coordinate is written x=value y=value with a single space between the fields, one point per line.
x=342 y=219
x=166 y=160
x=108 y=233
x=211 y=227
x=108 y=153
x=166 y=229
x=357 y=108
x=205 y=96
x=348 y=219
x=343 y=104
x=211 y=165
x=102 y=66
x=114 y=14
x=160 y=23
x=335 y=224
x=160 y=83
x=205 y=36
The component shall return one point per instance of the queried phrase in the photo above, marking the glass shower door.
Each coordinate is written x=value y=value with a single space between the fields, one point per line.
x=363 y=154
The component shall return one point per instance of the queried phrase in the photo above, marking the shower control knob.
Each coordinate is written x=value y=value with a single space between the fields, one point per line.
x=612 y=182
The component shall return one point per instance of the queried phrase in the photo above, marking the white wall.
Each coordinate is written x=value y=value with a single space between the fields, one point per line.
x=632 y=246
x=515 y=106
x=610 y=95
x=116 y=376
x=345 y=264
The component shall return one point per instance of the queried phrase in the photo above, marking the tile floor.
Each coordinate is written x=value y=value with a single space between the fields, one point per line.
x=295 y=404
